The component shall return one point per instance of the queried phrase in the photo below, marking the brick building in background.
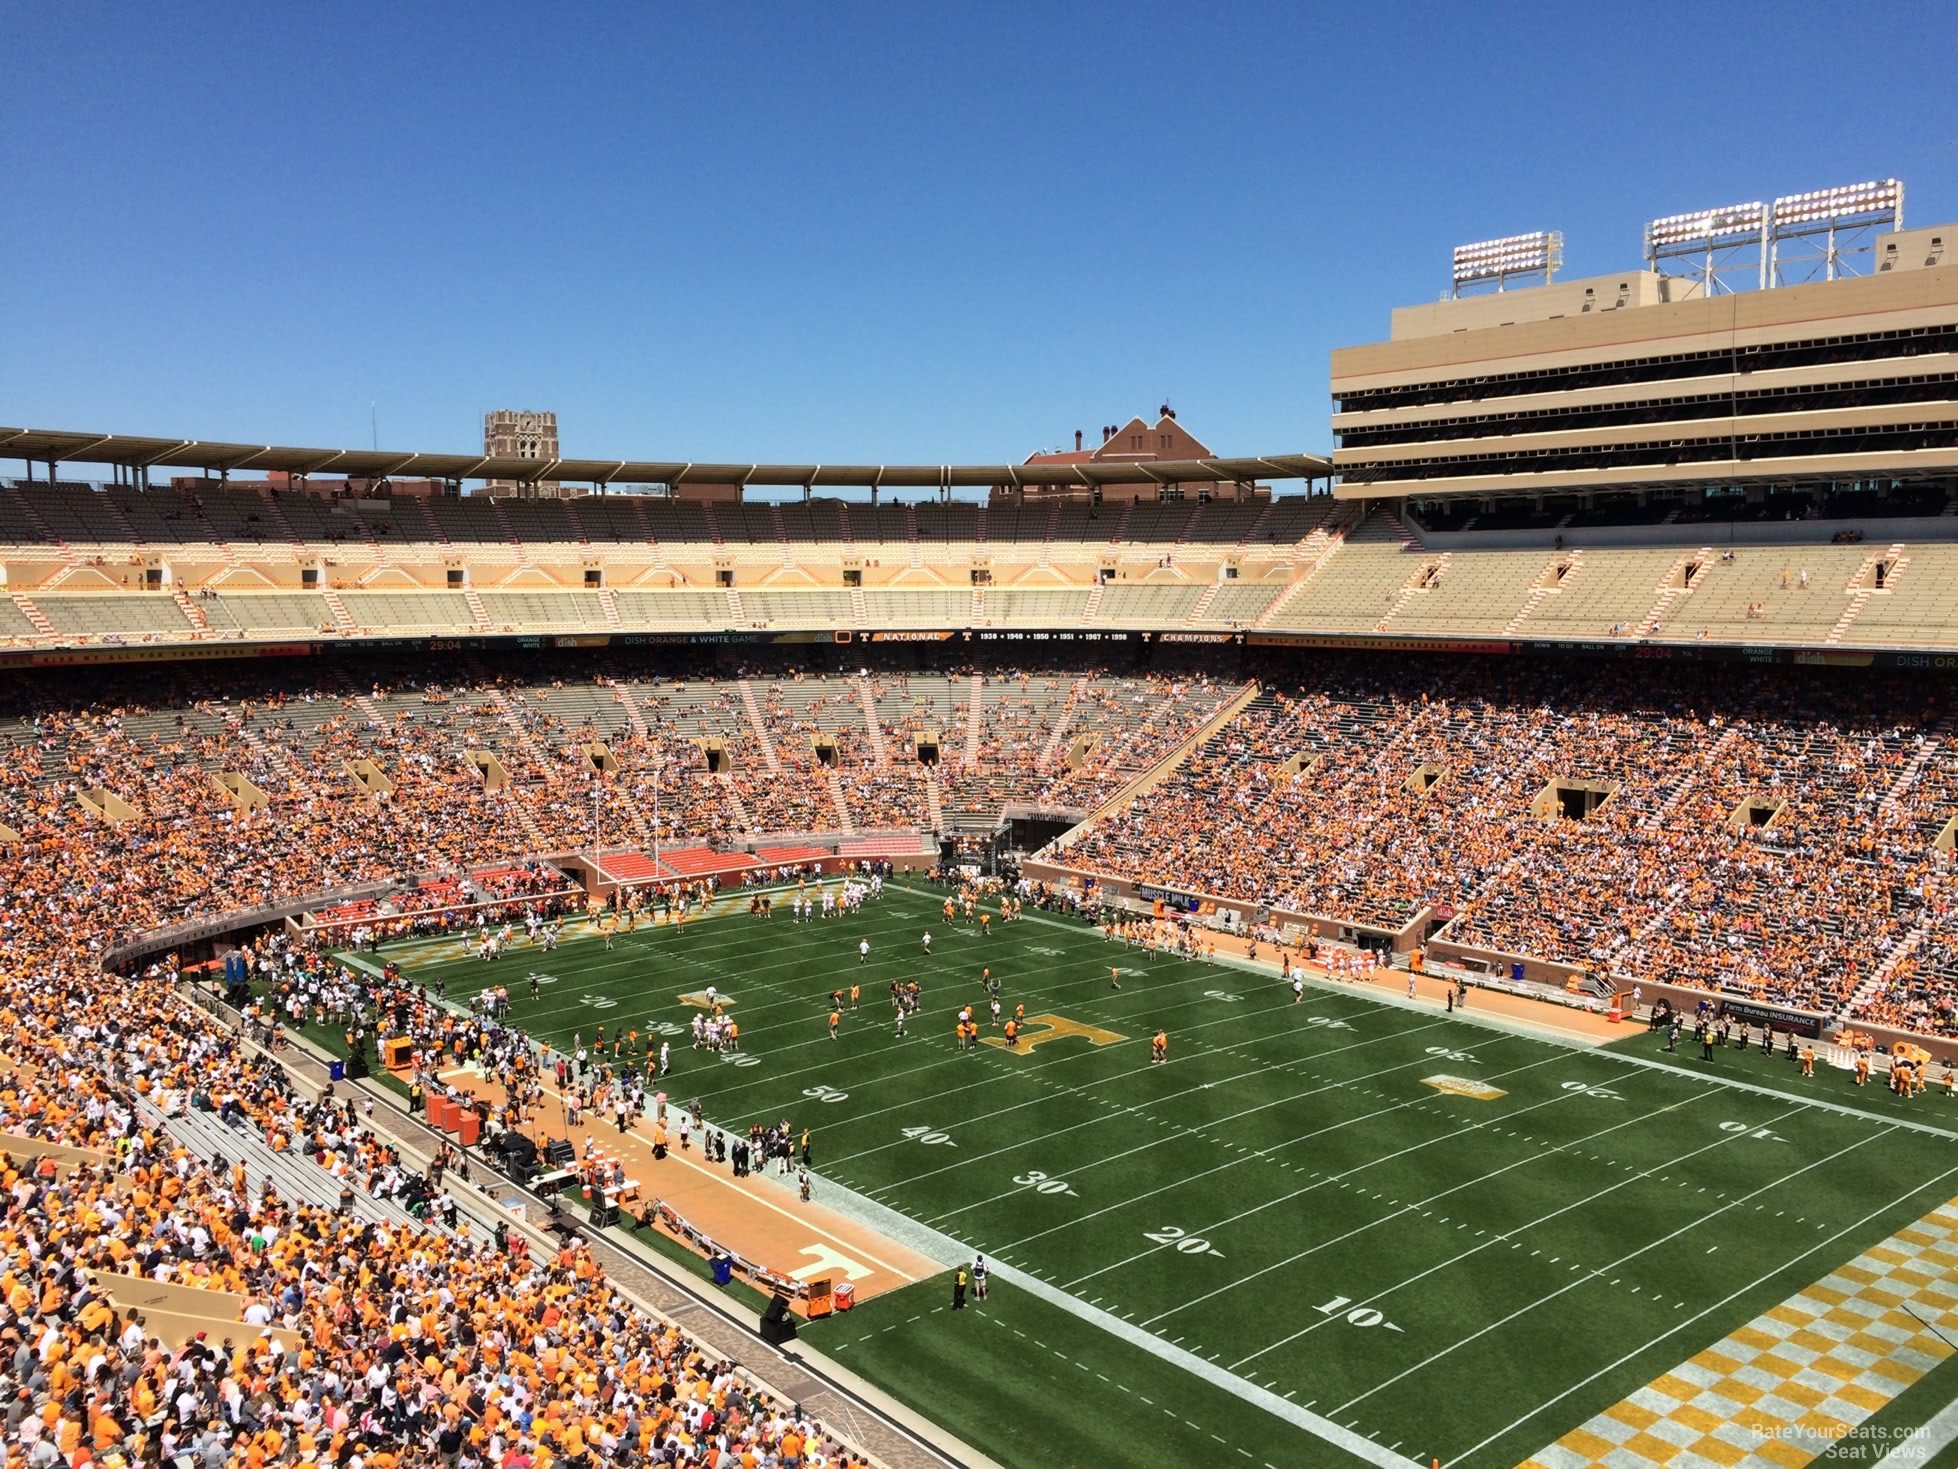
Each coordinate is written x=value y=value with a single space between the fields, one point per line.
x=1137 y=442
x=519 y=433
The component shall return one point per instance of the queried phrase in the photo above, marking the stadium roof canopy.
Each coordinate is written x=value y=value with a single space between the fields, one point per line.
x=57 y=446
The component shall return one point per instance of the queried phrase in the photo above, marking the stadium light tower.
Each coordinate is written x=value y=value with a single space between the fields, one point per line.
x=1533 y=258
x=1828 y=227
x=1717 y=242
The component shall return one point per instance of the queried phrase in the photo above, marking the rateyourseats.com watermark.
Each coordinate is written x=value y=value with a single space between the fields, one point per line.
x=1858 y=1443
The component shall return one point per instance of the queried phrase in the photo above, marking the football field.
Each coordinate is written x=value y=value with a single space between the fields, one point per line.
x=1352 y=1229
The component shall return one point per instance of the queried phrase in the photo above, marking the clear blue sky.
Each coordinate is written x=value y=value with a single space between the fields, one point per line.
x=919 y=232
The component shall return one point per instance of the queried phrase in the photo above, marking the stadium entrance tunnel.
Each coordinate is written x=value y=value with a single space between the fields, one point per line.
x=1031 y=833
x=1571 y=800
x=1756 y=813
x=1426 y=777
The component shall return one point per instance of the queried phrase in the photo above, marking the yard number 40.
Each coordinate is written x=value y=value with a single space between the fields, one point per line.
x=1356 y=1315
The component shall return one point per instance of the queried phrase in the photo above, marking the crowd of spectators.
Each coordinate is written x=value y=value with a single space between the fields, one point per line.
x=1767 y=834
x=363 y=1343
x=1770 y=833
x=1763 y=832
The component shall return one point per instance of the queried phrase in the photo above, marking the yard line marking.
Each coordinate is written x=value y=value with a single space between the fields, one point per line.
x=1322 y=1428
x=1927 y=1443
x=1374 y=1298
x=1714 y=1078
x=1550 y=1035
x=1641 y=1250
x=1144 y=1147
x=1762 y=1279
x=1412 y=1207
x=911 y=1104
x=1021 y=1144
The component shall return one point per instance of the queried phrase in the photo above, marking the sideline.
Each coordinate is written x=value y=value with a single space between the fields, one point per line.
x=1321 y=1428
x=933 y=1244
x=1545 y=1033
x=801 y=1220
x=857 y=1394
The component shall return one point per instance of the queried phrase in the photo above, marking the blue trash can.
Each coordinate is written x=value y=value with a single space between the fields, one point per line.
x=1516 y=972
x=723 y=1269
x=336 y=1070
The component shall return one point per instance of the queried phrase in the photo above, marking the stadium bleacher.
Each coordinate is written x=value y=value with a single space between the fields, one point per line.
x=1391 y=785
x=1310 y=565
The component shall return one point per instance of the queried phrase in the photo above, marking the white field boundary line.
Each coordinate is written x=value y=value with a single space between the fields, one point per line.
x=854 y=1247
x=1077 y=1169
x=1842 y=1109
x=1323 y=1429
x=1024 y=1143
x=1506 y=1235
x=1673 y=1330
x=1260 y=1069
x=1475 y=1182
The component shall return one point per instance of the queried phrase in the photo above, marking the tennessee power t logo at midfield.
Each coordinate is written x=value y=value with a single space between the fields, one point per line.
x=1042 y=1028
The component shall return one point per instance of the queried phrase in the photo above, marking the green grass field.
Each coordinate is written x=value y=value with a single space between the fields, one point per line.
x=1286 y=1241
